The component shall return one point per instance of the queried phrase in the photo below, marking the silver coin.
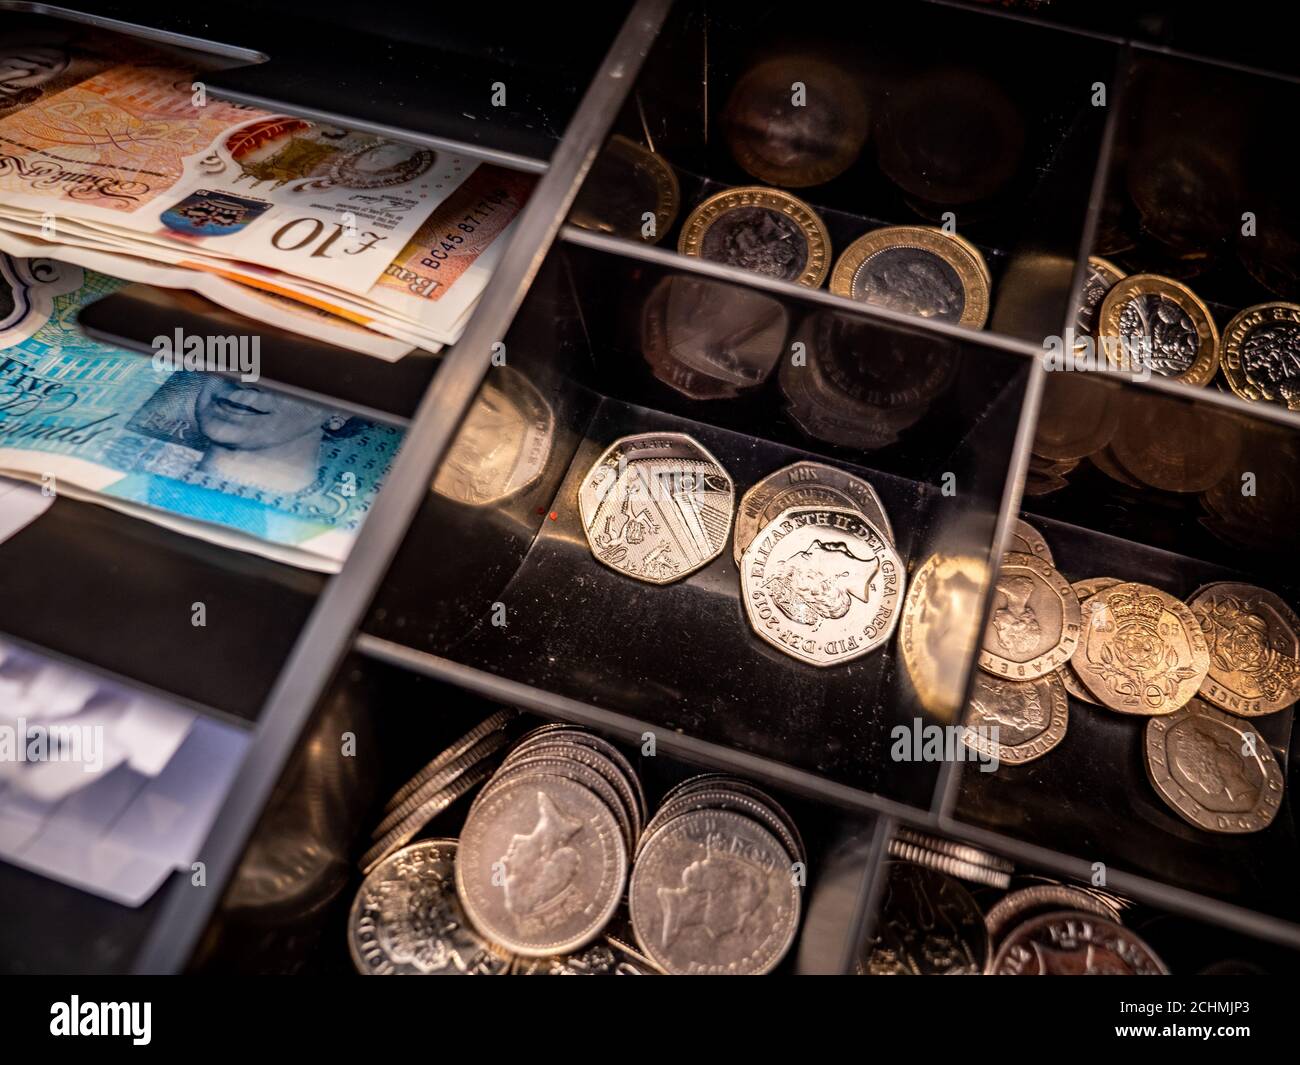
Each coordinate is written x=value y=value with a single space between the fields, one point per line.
x=946 y=863
x=630 y=810
x=593 y=742
x=822 y=584
x=542 y=866
x=961 y=851
x=1213 y=769
x=656 y=506
x=1029 y=902
x=713 y=893
x=710 y=781
x=488 y=746
x=415 y=823
x=503 y=445
x=407 y=920
x=530 y=767
x=729 y=800
x=1071 y=943
x=928 y=924
x=462 y=746
x=805 y=484
x=607 y=957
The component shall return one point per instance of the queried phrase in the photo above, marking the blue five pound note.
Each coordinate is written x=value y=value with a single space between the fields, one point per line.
x=197 y=445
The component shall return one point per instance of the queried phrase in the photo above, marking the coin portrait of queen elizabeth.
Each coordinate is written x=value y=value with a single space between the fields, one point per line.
x=1207 y=760
x=1014 y=621
x=539 y=865
x=820 y=583
x=718 y=894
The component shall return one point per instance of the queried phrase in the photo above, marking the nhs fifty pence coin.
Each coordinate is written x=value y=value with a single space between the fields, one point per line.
x=656 y=506
x=822 y=584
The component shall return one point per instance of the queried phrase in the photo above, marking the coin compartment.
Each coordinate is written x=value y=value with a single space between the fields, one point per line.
x=1090 y=799
x=975 y=138
x=286 y=906
x=1193 y=190
x=512 y=590
x=1187 y=945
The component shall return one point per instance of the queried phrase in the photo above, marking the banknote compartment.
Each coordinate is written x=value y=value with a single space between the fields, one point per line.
x=509 y=586
x=285 y=907
x=122 y=595
x=973 y=137
x=504 y=96
x=133 y=24
x=135 y=317
x=1187 y=524
x=1188 y=943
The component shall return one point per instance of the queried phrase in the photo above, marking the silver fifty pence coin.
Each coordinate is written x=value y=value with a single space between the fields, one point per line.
x=503 y=444
x=407 y=921
x=805 y=484
x=656 y=506
x=822 y=584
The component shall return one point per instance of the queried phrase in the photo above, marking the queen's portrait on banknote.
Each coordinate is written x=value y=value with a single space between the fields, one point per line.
x=219 y=457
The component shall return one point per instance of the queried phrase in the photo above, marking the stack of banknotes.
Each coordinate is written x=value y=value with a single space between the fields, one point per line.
x=117 y=159
x=217 y=457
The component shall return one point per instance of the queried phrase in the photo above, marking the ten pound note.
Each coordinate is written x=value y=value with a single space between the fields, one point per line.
x=131 y=168
x=216 y=457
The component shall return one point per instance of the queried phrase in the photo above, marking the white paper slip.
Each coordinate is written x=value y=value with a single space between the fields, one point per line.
x=20 y=505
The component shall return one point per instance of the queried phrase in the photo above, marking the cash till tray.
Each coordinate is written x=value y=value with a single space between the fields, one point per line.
x=400 y=647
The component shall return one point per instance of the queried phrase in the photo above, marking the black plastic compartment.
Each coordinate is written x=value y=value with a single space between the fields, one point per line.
x=578 y=340
x=1194 y=190
x=407 y=75
x=682 y=656
x=286 y=907
x=999 y=141
x=118 y=593
x=1188 y=946
x=1090 y=797
x=390 y=391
